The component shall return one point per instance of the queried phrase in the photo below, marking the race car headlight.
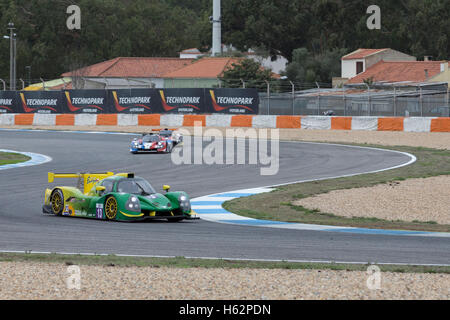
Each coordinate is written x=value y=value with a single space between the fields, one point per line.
x=185 y=203
x=133 y=204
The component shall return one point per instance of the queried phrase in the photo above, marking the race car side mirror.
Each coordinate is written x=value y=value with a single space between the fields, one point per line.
x=166 y=188
x=100 y=189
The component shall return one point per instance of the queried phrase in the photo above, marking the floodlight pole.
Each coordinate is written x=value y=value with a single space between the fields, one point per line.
x=12 y=57
x=217 y=29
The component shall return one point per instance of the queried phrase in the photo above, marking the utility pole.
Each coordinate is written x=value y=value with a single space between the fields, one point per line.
x=28 y=69
x=12 y=63
x=217 y=29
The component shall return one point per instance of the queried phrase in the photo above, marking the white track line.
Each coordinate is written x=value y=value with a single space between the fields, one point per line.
x=36 y=159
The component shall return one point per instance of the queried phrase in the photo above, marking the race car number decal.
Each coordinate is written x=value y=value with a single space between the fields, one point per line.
x=66 y=211
x=99 y=210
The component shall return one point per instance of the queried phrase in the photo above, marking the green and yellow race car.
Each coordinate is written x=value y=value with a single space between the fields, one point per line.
x=119 y=197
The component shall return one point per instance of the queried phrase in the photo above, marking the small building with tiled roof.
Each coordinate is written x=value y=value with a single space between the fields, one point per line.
x=123 y=72
x=201 y=73
x=360 y=60
x=444 y=75
x=401 y=71
x=133 y=72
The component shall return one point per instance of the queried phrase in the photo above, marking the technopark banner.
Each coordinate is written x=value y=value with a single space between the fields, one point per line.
x=183 y=100
x=132 y=101
x=137 y=101
x=8 y=102
x=39 y=102
x=86 y=101
x=234 y=101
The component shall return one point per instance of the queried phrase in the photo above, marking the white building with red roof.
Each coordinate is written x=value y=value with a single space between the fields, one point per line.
x=402 y=71
x=360 y=60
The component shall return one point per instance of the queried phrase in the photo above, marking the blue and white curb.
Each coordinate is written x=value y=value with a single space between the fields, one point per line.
x=210 y=208
x=36 y=159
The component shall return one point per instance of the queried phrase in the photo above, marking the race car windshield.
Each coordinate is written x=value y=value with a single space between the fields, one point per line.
x=135 y=186
x=165 y=133
x=150 y=138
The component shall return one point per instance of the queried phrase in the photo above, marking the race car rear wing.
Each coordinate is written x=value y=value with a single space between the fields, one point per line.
x=86 y=180
x=168 y=129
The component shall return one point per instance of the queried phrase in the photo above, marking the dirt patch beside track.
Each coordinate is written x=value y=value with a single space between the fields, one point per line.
x=26 y=280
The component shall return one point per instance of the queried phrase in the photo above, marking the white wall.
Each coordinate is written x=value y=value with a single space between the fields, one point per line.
x=190 y=55
x=122 y=83
x=349 y=68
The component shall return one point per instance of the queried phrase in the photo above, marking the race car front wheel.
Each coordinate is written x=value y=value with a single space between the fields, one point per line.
x=57 y=202
x=111 y=208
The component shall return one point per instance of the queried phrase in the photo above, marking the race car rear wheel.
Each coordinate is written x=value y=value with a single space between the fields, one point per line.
x=111 y=208
x=57 y=202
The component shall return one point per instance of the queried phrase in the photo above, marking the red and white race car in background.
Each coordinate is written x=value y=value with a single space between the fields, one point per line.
x=151 y=142
x=162 y=141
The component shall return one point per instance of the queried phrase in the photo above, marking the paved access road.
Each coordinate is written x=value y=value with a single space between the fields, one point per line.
x=24 y=227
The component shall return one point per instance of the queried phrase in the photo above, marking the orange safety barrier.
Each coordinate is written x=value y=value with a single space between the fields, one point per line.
x=149 y=120
x=190 y=119
x=65 y=120
x=107 y=119
x=241 y=121
x=341 y=123
x=24 y=119
x=390 y=124
x=440 y=125
x=289 y=122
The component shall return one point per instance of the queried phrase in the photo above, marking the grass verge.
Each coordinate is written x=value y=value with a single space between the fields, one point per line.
x=181 y=262
x=277 y=205
x=12 y=158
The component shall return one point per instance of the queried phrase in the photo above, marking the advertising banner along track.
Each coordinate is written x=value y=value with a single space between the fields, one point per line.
x=86 y=101
x=183 y=101
x=39 y=102
x=8 y=102
x=234 y=101
x=132 y=101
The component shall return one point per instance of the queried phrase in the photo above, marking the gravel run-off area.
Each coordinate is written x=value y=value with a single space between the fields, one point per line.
x=32 y=280
x=423 y=200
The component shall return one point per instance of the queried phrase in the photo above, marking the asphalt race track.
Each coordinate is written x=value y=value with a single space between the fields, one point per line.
x=23 y=226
